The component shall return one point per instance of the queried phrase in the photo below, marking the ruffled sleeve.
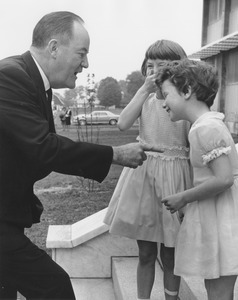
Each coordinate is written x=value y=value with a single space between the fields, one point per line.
x=215 y=153
x=213 y=143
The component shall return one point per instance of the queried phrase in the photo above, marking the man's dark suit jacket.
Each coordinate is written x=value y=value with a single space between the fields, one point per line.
x=29 y=147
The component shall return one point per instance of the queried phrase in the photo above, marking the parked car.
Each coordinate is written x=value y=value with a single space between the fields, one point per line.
x=96 y=117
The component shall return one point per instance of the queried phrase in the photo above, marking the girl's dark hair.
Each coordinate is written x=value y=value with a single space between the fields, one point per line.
x=54 y=24
x=200 y=76
x=164 y=50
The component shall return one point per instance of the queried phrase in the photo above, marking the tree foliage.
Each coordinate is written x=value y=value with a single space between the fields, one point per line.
x=126 y=97
x=134 y=82
x=71 y=95
x=109 y=92
x=130 y=86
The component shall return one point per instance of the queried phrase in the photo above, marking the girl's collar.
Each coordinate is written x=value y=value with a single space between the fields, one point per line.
x=210 y=115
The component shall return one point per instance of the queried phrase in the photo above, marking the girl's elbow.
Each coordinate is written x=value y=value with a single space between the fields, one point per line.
x=121 y=126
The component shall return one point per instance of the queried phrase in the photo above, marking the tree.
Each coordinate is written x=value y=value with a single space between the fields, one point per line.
x=134 y=81
x=130 y=86
x=109 y=92
x=71 y=95
x=126 y=97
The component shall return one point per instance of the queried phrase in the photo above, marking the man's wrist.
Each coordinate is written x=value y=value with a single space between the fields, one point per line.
x=115 y=154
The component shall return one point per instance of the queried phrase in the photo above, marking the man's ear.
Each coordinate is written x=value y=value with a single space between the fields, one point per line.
x=53 y=47
x=188 y=92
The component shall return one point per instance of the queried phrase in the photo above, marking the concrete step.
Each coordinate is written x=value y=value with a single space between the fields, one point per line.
x=93 y=289
x=90 y=289
x=199 y=291
x=124 y=281
x=124 y=284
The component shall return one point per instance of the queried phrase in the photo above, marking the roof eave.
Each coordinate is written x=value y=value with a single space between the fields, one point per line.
x=224 y=44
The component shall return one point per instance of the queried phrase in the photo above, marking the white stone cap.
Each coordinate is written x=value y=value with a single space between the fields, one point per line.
x=70 y=236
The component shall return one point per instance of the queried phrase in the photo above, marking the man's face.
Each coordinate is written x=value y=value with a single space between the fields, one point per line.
x=71 y=58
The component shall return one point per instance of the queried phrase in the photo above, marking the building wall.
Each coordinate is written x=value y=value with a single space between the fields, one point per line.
x=231 y=107
x=231 y=89
x=220 y=18
x=219 y=100
x=227 y=97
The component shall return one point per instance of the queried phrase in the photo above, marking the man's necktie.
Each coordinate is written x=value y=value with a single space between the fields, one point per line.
x=49 y=113
x=49 y=94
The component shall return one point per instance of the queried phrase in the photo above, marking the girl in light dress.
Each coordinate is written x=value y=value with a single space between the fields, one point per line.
x=135 y=210
x=208 y=237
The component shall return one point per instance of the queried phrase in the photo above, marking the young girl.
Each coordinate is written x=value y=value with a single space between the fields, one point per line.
x=208 y=238
x=135 y=210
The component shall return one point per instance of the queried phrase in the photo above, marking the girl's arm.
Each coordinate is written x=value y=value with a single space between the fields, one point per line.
x=220 y=180
x=133 y=110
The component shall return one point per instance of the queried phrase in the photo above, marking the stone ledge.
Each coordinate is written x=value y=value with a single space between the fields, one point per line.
x=59 y=236
x=69 y=236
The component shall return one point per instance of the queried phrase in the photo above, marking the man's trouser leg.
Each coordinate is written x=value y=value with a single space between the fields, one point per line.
x=27 y=269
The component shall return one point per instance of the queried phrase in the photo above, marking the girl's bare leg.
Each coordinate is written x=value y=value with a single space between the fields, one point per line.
x=221 y=288
x=171 y=281
x=146 y=268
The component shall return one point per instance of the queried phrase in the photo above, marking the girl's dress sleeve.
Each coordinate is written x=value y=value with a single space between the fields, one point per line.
x=213 y=143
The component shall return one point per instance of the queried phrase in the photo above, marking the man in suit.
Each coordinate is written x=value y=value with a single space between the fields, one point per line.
x=30 y=149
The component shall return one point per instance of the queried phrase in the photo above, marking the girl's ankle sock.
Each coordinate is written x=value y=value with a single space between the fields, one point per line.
x=171 y=293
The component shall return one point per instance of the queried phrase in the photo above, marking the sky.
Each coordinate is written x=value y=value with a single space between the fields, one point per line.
x=120 y=30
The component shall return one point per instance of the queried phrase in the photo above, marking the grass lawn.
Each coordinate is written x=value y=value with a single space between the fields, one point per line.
x=68 y=199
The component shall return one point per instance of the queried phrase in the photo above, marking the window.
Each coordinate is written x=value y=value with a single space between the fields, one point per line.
x=215 y=10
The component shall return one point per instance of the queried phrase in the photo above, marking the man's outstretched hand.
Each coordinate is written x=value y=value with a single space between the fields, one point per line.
x=132 y=155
